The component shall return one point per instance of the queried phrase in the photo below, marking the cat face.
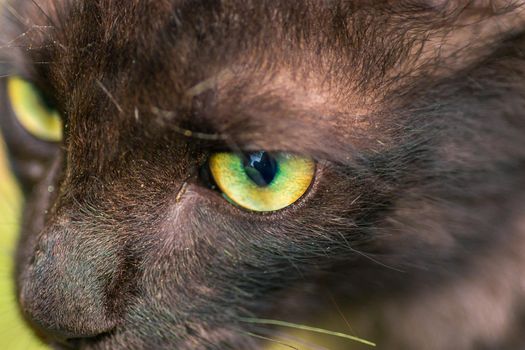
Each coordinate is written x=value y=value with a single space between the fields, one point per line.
x=405 y=137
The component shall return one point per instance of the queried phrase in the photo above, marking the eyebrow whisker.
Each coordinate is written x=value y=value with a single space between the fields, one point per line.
x=168 y=115
x=209 y=83
x=111 y=97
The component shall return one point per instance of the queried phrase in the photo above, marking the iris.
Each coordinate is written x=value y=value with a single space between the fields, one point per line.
x=262 y=181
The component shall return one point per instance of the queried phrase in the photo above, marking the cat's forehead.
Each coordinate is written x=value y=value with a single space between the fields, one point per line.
x=263 y=67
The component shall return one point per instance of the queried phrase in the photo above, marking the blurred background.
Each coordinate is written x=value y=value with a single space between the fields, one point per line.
x=14 y=334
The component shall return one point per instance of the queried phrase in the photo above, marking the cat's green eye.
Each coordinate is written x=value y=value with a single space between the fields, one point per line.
x=262 y=181
x=32 y=111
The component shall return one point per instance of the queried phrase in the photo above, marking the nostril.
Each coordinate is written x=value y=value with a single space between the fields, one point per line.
x=70 y=339
x=64 y=344
x=61 y=342
x=77 y=343
x=70 y=343
x=55 y=340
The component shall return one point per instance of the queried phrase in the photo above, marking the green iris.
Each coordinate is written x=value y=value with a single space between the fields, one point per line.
x=261 y=181
x=32 y=111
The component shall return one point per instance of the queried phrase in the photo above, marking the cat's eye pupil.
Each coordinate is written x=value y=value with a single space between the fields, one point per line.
x=260 y=167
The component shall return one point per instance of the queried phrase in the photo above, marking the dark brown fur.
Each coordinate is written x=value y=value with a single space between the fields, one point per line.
x=414 y=225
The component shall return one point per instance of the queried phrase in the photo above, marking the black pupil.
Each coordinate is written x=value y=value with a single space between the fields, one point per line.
x=261 y=167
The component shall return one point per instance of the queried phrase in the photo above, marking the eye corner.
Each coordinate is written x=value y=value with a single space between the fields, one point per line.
x=206 y=177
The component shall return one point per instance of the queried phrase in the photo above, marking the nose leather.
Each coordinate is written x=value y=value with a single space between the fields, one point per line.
x=63 y=291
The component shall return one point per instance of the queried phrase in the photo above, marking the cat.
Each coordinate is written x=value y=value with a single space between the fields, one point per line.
x=403 y=122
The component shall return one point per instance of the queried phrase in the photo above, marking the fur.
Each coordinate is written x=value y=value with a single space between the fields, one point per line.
x=414 y=224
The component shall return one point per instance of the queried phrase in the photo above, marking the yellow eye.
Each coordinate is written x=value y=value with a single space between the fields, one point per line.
x=262 y=181
x=32 y=111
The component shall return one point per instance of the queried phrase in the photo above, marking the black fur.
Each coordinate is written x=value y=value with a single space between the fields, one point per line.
x=414 y=224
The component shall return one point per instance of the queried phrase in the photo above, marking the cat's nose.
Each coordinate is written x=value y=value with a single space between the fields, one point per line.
x=64 y=290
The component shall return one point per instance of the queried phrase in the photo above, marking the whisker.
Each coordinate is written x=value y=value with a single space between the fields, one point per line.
x=291 y=338
x=41 y=62
x=209 y=83
x=15 y=14
x=185 y=132
x=49 y=19
x=20 y=36
x=366 y=256
x=377 y=261
x=269 y=339
x=306 y=328
x=334 y=302
x=111 y=97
